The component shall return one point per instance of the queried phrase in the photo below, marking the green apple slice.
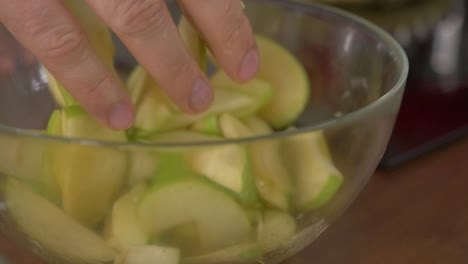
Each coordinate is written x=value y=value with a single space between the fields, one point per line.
x=54 y=126
x=28 y=160
x=152 y=114
x=153 y=107
x=220 y=220
x=316 y=177
x=142 y=165
x=233 y=128
x=194 y=42
x=184 y=236
x=60 y=95
x=125 y=230
x=228 y=166
x=150 y=254
x=55 y=88
x=271 y=175
x=156 y=112
x=208 y=125
x=275 y=230
x=258 y=88
x=225 y=101
x=51 y=186
x=181 y=136
x=289 y=80
x=54 y=230
x=242 y=253
x=138 y=81
x=89 y=177
x=23 y=158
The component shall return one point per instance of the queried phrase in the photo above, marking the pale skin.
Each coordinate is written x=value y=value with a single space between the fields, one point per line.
x=51 y=34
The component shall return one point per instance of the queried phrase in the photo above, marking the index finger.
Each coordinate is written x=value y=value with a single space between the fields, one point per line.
x=48 y=29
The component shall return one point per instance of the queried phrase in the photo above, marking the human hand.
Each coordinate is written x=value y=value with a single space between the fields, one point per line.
x=50 y=32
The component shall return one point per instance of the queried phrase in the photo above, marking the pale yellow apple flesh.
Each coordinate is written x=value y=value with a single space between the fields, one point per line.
x=242 y=253
x=272 y=178
x=275 y=230
x=220 y=220
x=286 y=75
x=316 y=177
x=150 y=254
x=53 y=229
x=89 y=178
x=125 y=230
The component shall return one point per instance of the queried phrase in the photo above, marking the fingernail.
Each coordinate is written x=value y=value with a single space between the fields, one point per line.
x=201 y=95
x=121 y=116
x=249 y=65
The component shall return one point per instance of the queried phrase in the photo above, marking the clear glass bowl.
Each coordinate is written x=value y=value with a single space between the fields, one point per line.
x=357 y=76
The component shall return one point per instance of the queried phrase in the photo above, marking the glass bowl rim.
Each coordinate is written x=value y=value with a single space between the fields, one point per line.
x=368 y=109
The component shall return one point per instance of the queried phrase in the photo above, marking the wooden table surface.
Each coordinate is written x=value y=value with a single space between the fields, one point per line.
x=415 y=214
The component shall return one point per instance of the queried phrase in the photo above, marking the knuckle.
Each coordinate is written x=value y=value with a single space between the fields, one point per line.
x=233 y=28
x=136 y=17
x=95 y=92
x=59 y=40
x=181 y=68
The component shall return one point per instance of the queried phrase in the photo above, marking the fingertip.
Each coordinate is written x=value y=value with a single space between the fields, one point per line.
x=121 y=116
x=250 y=65
x=201 y=95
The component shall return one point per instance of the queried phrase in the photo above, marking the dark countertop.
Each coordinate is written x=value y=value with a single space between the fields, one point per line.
x=415 y=214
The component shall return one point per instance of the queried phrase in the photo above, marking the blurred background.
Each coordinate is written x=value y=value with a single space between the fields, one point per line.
x=434 y=34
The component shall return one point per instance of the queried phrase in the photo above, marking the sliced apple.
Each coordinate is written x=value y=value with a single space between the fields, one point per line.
x=229 y=166
x=180 y=136
x=226 y=165
x=55 y=88
x=233 y=128
x=258 y=88
x=51 y=186
x=150 y=254
x=282 y=70
x=26 y=160
x=54 y=230
x=270 y=173
x=181 y=199
x=316 y=177
x=225 y=100
x=125 y=230
x=142 y=166
x=157 y=113
x=138 y=81
x=89 y=177
x=275 y=230
x=153 y=113
x=208 y=125
x=22 y=157
x=194 y=42
x=184 y=237
x=242 y=253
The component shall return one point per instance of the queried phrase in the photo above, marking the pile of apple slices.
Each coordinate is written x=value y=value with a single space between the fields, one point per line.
x=216 y=203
